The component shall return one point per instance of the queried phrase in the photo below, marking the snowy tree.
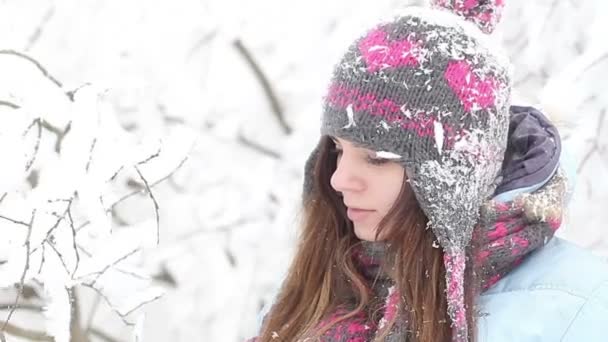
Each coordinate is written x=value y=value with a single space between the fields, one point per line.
x=64 y=157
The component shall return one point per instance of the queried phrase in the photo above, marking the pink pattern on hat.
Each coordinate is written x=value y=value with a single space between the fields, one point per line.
x=379 y=53
x=419 y=122
x=474 y=92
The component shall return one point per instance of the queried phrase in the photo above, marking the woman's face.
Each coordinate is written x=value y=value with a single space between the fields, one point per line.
x=369 y=186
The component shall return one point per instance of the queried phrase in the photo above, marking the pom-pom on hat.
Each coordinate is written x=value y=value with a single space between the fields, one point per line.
x=484 y=13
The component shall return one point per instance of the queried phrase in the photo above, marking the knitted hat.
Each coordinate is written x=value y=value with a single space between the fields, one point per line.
x=430 y=89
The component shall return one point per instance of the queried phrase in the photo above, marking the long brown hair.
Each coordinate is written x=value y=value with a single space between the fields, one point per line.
x=323 y=275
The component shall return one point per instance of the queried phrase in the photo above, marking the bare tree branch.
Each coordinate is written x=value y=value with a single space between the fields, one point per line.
x=65 y=266
x=592 y=65
x=100 y=334
x=38 y=32
x=91 y=154
x=156 y=208
x=30 y=162
x=143 y=303
x=270 y=93
x=257 y=147
x=73 y=92
x=26 y=333
x=155 y=155
x=25 y=269
x=59 y=133
x=14 y=221
x=152 y=185
x=43 y=253
x=73 y=229
x=595 y=143
x=77 y=334
x=50 y=232
x=201 y=42
x=91 y=316
x=26 y=307
x=9 y=104
x=133 y=193
x=35 y=62
x=107 y=267
x=107 y=300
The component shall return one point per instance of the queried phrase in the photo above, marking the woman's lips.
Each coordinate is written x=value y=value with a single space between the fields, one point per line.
x=355 y=214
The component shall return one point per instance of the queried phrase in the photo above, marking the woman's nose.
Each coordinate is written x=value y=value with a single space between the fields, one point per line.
x=346 y=177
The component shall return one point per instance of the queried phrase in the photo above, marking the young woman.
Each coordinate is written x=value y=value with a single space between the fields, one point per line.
x=430 y=204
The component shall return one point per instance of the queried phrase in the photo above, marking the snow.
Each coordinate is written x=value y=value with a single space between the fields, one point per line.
x=387 y=155
x=439 y=135
x=351 y=119
x=228 y=216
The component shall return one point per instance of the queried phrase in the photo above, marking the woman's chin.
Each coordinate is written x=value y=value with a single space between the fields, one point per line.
x=365 y=233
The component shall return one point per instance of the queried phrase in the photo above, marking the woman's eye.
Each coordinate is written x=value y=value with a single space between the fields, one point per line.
x=377 y=161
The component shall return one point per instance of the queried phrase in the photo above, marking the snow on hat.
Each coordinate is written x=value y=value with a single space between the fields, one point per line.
x=431 y=88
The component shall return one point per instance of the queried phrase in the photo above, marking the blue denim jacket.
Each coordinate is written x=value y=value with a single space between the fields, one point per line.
x=559 y=293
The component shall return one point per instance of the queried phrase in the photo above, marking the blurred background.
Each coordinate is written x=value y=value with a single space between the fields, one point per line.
x=243 y=80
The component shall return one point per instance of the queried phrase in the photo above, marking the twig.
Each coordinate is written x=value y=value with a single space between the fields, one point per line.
x=60 y=134
x=26 y=333
x=65 y=266
x=73 y=229
x=274 y=102
x=143 y=303
x=133 y=193
x=98 y=333
x=595 y=145
x=94 y=308
x=73 y=92
x=36 y=35
x=152 y=185
x=155 y=155
x=156 y=208
x=35 y=62
x=25 y=269
x=201 y=42
x=107 y=267
x=52 y=229
x=592 y=65
x=27 y=307
x=37 y=146
x=14 y=221
x=107 y=300
x=257 y=147
x=91 y=154
x=116 y=173
x=85 y=251
x=43 y=254
x=9 y=104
